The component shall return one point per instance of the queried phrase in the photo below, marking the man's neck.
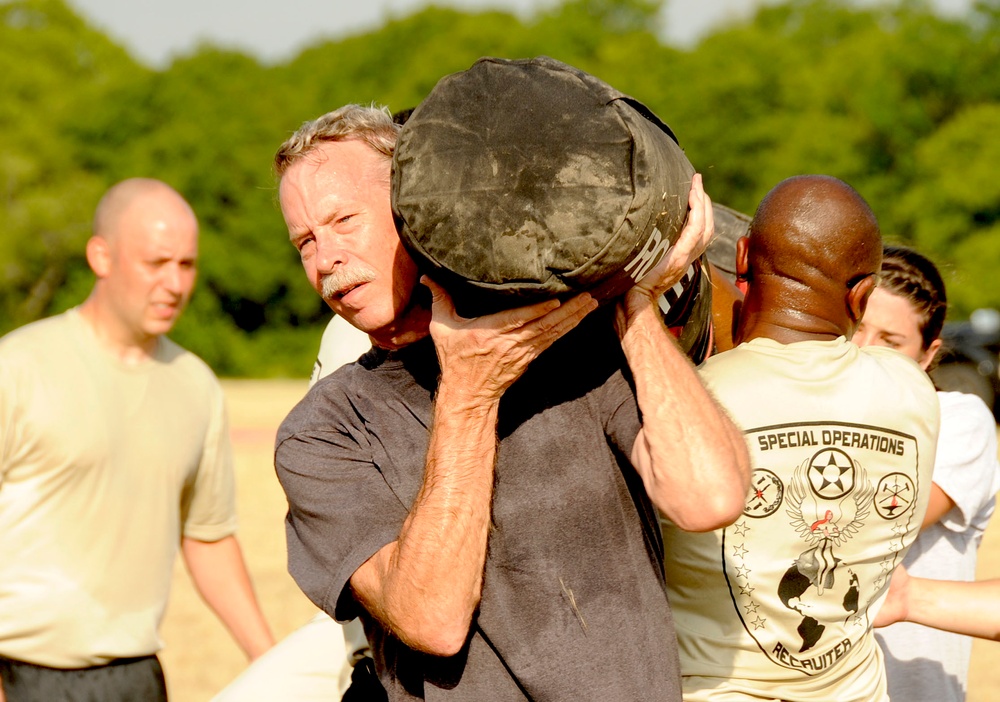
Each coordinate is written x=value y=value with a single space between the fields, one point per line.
x=397 y=341
x=786 y=325
x=784 y=335
x=413 y=326
x=114 y=337
x=791 y=311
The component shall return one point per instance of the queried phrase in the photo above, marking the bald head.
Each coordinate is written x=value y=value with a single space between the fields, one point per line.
x=817 y=229
x=143 y=251
x=811 y=242
x=125 y=201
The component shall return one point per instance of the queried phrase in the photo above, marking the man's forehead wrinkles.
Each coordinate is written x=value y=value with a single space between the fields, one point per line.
x=301 y=203
x=327 y=209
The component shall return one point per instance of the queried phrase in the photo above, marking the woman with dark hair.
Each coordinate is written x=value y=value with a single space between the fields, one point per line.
x=906 y=312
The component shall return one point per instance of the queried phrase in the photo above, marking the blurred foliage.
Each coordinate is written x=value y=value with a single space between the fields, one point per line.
x=900 y=102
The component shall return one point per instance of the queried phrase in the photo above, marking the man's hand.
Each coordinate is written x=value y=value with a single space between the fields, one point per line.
x=485 y=355
x=692 y=459
x=691 y=243
x=425 y=586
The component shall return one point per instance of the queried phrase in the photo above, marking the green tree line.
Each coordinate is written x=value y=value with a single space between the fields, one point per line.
x=898 y=101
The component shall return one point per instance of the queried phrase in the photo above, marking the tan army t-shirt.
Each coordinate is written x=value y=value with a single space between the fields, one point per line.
x=103 y=466
x=779 y=605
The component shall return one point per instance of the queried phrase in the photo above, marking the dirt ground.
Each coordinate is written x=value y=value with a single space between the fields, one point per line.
x=199 y=656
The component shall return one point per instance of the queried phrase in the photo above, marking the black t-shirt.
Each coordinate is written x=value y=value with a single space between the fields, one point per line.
x=573 y=604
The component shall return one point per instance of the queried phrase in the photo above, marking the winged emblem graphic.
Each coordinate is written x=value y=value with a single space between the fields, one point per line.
x=829 y=498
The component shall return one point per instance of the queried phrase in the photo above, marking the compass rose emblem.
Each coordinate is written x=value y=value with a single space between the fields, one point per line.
x=766 y=492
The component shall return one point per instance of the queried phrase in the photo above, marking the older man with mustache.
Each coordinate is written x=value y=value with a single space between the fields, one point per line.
x=457 y=434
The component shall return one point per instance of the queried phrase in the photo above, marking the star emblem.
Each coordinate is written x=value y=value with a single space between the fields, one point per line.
x=831 y=474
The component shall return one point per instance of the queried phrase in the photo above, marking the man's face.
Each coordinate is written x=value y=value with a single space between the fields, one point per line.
x=336 y=205
x=152 y=266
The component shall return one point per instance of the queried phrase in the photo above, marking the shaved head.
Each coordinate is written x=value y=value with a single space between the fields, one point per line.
x=143 y=252
x=110 y=216
x=812 y=241
x=817 y=230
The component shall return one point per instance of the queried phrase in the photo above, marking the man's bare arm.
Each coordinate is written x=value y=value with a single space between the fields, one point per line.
x=425 y=587
x=692 y=458
x=220 y=575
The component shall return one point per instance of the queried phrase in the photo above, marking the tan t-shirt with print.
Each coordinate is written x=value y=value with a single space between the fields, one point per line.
x=780 y=604
x=103 y=466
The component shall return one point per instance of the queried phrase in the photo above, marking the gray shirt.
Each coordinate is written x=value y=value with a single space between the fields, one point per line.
x=573 y=603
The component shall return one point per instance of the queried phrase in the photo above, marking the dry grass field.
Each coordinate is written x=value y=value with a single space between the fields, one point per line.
x=200 y=658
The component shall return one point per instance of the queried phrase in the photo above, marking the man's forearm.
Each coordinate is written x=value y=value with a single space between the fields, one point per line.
x=221 y=577
x=426 y=586
x=692 y=458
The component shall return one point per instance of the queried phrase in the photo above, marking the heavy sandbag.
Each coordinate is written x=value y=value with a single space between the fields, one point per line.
x=521 y=180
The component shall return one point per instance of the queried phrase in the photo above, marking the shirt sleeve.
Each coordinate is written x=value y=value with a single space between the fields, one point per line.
x=621 y=410
x=966 y=466
x=341 y=511
x=209 y=503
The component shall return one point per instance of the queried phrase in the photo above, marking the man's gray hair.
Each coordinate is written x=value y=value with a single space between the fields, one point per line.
x=372 y=125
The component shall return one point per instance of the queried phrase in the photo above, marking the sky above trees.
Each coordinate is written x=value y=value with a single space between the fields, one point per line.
x=155 y=30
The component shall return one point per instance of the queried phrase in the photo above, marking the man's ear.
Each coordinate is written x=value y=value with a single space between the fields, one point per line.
x=857 y=298
x=99 y=256
x=743 y=264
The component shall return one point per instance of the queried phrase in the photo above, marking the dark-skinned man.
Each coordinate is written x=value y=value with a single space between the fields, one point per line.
x=779 y=604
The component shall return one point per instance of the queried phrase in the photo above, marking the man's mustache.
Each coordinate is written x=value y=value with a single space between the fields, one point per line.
x=342 y=280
